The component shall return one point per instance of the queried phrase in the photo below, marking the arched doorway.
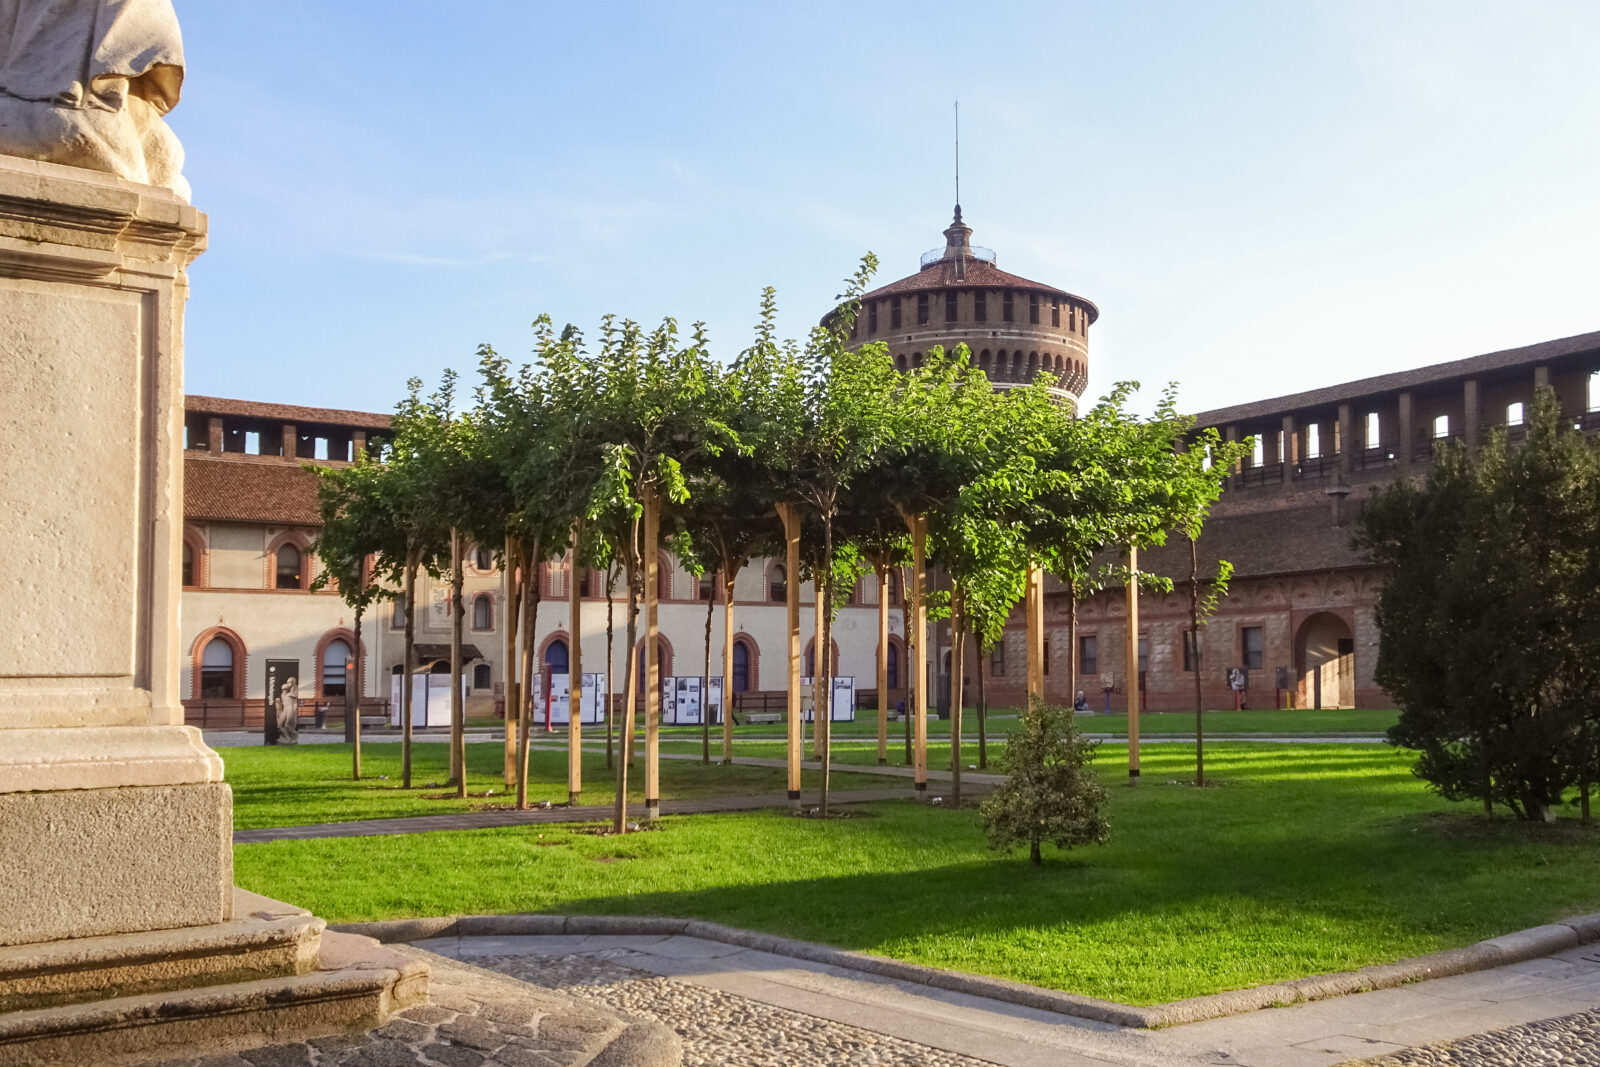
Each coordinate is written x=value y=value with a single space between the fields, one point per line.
x=1325 y=660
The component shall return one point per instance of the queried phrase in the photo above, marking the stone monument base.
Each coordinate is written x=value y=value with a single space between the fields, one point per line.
x=271 y=975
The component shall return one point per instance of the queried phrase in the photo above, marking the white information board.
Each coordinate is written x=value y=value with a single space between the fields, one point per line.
x=682 y=701
x=844 y=699
x=430 y=699
x=590 y=711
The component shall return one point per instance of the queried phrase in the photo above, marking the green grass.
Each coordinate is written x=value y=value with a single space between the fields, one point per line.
x=1301 y=860
x=1151 y=724
x=293 y=786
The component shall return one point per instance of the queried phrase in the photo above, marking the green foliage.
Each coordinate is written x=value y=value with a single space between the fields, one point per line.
x=1489 y=619
x=1050 y=793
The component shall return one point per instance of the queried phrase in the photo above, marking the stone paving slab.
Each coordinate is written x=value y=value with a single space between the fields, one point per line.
x=476 y=1018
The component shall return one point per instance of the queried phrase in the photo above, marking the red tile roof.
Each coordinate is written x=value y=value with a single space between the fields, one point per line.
x=255 y=409
x=977 y=274
x=234 y=491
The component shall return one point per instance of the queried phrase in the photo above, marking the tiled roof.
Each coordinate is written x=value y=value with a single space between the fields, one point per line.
x=1407 y=379
x=233 y=491
x=977 y=274
x=255 y=409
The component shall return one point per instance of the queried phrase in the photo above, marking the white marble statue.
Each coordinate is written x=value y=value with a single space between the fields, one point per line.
x=289 y=711
x=86 y=83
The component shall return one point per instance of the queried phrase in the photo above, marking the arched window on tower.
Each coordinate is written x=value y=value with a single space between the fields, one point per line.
x=555 y=656
x=188 y=564
x=778 y=584
x=483 y=612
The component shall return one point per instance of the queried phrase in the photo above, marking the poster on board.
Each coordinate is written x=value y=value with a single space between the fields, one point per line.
x=590 y=710
x=844 y=699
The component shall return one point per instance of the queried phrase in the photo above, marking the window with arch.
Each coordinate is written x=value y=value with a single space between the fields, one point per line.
x=480 y=676
x=483 y=612
x=555 y=656
x=188 y=563
x=741 y=667
x=892 y=667
x=482 y=558
x=334 y=659
x=216 y=670
x=778 y=584
x=290 y=568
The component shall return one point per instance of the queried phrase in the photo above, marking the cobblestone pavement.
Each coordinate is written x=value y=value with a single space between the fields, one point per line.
x=1570 y=1041
x=721 y=1028
x=474 y=1018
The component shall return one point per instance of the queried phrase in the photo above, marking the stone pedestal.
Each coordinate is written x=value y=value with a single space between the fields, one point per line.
x=113 y=815
x=118 y=933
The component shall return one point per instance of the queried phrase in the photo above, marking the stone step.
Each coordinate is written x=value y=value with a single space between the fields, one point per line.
x=358 y=984
x=265 y=939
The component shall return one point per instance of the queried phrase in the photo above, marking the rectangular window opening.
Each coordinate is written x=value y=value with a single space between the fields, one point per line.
x=1007 y=312
x=1441 y=426
x=950 y=306
x=1033 y=308
x=1055 y=313
x=894 y=314
x=922 y=309
x=252 y=443
x=1088 y=654
x=1258 y=451
x=1514 y=414
x=1251 y=647
x=980 y=306
x=1374 y=430
x=1191 y=650
x=1313 y=441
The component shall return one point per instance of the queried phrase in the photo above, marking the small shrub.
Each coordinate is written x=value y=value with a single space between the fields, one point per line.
x=1049 y=793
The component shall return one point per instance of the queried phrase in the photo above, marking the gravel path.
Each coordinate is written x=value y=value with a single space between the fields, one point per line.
x=720 y=1028
x=1570 y=1041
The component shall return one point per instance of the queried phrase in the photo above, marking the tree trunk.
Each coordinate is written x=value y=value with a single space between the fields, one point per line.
x=406 y=680
x=983 y=710
x=906 y=612
x=511 y=576
x=729 y=571
x=705 y=690
x=789 y=515
x=1194 y=630
x=611 y=662
x=824 y=713
x=883 y=664
x=458 y=711
x=575 y=674
x=1033 y=611
x=958 y=641
x=356 y=684
x=1073 y=667
x=1035 y=857
x=918 y=525
x=652 y=653
x=533 y=593
x=619 y=820
x=1132 y=661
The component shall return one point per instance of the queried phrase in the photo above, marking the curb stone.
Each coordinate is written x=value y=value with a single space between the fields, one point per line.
x=1532 y=943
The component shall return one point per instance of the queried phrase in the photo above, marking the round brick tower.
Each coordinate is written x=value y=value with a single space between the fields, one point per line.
x=1015 y=328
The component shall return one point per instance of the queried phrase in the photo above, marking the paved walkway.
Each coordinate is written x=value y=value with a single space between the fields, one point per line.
x=479 y=820
x=736 y=1005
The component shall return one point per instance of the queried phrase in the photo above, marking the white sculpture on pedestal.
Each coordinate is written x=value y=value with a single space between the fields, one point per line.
x=86 y=83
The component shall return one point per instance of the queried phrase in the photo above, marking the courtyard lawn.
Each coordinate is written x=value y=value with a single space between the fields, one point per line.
x=1333 y=721
x=1300 y=860
x=298 y=785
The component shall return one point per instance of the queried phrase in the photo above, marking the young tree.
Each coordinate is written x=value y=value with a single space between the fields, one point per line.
x=845 y=420
x=1489 y=618
x=1050 y=793
x=355 y=528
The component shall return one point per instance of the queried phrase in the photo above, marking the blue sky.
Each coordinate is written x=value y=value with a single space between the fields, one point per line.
x=1260 y=197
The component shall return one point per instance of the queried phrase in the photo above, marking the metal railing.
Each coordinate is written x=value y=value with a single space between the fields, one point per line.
x=216 y=713
x=929 y=258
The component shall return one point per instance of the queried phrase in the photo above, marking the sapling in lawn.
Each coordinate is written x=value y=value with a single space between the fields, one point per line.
x=1049 y=794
